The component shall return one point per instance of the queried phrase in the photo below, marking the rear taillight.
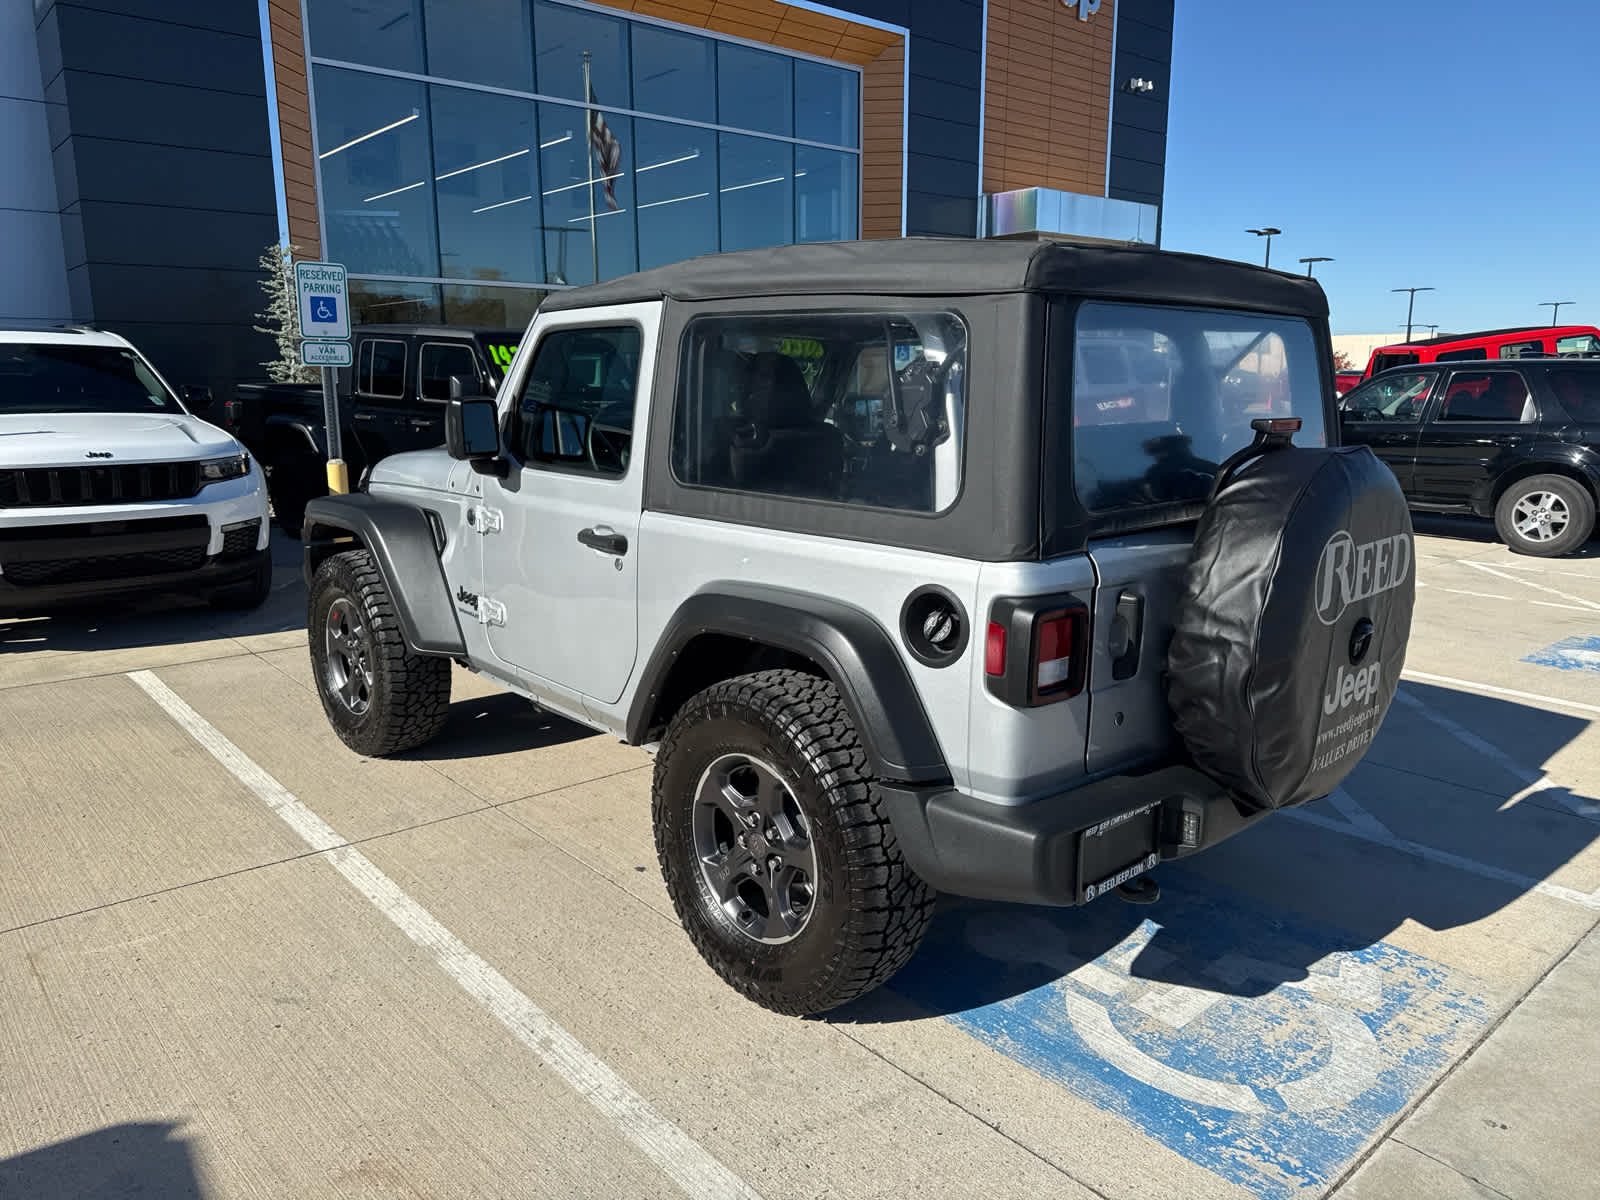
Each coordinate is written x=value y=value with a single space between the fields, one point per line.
x=1054 y=643
x=994 y=650
x=1037 y=649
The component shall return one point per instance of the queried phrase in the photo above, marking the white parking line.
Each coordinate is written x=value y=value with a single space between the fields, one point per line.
x=1471 y=685
x=1443 y=857
x=681 y=1158
x=1528 y=583
x=1532 y=781
x=1479 y=595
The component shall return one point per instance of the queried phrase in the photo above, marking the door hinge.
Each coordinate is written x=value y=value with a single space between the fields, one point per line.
x=486 y=520
x=491 y=612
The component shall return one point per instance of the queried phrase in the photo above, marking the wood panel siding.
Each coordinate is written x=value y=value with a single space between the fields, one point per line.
x=773 y=23
x=883 y=118
x=294 y=126
x=1048 y=105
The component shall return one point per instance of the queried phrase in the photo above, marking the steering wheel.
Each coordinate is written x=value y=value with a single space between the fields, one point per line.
x=608 y=440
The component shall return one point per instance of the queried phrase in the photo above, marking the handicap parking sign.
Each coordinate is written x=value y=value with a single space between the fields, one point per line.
x=1266 y=1051
x=323 y=291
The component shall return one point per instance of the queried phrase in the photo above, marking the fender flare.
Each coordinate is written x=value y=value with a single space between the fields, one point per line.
x=401 y=540
x=1577 y=463
x=848 y=644
x=294 y=429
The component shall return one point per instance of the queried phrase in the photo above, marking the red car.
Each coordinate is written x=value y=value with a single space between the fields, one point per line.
x=1343 y=381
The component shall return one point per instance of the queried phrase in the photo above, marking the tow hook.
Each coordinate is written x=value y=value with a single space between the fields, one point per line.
x=1143 y=890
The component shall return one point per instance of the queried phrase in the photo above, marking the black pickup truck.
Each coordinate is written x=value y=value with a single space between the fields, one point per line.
x=391 y=398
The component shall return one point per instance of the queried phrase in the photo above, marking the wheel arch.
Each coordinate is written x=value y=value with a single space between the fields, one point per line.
x=1586 y=475
x=404 y=544
x=731 y=628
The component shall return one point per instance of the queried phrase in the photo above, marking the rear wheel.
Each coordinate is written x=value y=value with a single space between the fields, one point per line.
x=779 y=859
x=380 y=697
x=1545 y=516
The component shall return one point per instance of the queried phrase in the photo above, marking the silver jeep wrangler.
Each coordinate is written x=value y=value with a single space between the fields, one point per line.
x=881 y=547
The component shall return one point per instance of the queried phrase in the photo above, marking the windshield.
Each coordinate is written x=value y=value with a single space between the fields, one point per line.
x=1162 y=395
x=1397 y=397
x=56 y=378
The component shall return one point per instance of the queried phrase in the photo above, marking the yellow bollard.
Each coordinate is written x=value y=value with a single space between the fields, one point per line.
x=338 y=477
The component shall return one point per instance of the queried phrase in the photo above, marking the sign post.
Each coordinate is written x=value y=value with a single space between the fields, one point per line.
x=324 y=297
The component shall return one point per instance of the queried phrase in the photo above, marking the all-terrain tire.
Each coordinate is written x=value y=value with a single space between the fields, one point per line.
x=1568 y=522
x=868 y=912
x=393 y=699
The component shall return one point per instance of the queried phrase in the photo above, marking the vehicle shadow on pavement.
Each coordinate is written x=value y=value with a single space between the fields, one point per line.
x=502 y=723
x=108 y=1164
x=1294 y=890
x=1481 y=529
x=147 y=622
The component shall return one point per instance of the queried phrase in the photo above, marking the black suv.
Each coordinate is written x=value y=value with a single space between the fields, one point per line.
x=1517 y=441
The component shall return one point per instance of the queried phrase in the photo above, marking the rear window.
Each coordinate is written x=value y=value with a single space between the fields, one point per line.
x=1579 y=393
x=1382 y=362
x=50 y=378
x=1162 y=395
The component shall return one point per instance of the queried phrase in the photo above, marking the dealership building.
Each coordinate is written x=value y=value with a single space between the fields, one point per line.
x=463 y=158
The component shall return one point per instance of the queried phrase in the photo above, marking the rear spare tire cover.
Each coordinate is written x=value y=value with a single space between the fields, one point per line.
x=1293 y=627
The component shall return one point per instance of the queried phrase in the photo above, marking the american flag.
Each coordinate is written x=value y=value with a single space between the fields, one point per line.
x=605 y=146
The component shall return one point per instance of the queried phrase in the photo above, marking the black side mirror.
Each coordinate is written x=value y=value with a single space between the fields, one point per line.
x=465 y=386
x=196 y=399
x=472 y=434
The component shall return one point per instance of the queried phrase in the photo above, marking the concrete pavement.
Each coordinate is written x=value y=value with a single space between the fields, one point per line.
x=1383 y=994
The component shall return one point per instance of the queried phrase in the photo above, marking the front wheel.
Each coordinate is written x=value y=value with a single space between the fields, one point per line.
x=775 y=849
x=380 y=697
x=1545 y=516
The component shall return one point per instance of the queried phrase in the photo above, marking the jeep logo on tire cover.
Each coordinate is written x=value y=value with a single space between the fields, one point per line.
x=1347 y=572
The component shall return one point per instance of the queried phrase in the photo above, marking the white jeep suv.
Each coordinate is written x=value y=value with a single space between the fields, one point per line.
x=110 y=486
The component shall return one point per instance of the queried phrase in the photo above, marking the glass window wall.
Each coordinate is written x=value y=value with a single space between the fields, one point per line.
x=480 y=41
x=697 y=145
x=377 y=173
x=486 y=177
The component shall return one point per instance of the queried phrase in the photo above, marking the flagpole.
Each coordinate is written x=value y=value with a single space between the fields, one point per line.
x=588 y=156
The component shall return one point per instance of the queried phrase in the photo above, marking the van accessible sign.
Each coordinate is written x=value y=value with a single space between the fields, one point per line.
x=1086 y=8
x=324 y=300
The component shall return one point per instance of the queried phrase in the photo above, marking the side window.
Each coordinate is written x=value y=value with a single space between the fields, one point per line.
x=1579 y=393
x=1579 y=343
x=1470 y=354
x=1487 y=396
x=862 y=409
x=383 y=369
x=1398 y=398
x=576 y=408
x=441 y=360
x=1521 y=349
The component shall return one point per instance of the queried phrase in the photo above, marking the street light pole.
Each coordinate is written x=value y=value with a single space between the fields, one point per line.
x=1411 y=304
x=1314 y=259
x=1555 y=306
x=1268 y=232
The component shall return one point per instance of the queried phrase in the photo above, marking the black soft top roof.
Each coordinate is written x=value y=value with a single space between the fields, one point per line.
x=960 y=266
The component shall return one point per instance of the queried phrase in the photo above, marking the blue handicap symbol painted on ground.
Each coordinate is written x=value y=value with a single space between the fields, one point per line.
x=1263 y=1049
x=325 y=310
x=1570 y=654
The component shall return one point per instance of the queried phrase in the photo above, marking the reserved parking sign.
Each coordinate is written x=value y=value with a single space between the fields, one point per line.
x=324 y=300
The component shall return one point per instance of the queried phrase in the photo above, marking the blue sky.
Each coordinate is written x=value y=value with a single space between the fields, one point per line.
x=1455 y=145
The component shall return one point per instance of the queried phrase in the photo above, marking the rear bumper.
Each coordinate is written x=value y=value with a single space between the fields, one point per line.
x=1066 y=849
